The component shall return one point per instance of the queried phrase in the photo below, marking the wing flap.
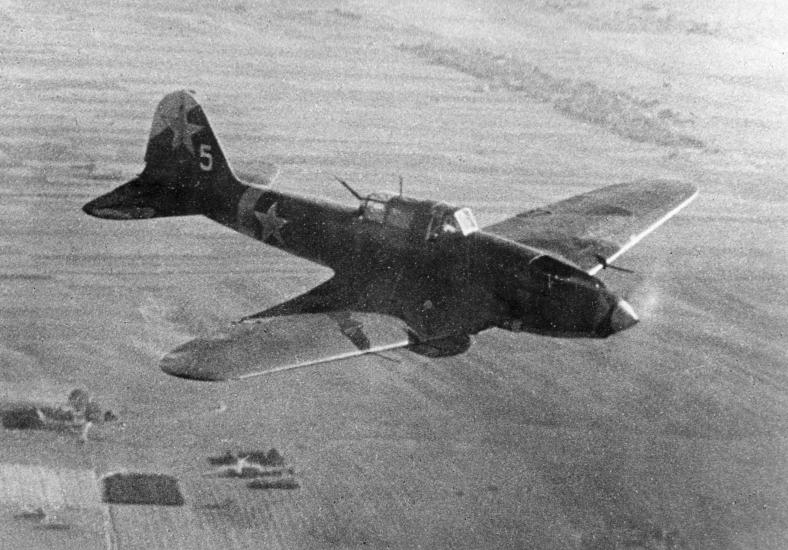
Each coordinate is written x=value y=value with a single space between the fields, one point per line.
x=284 y=342
x=593 y=229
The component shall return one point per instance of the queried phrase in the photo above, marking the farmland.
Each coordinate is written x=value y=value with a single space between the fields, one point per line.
x=671 y=433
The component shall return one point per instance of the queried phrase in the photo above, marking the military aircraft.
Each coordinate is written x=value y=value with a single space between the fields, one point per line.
x=408 y=273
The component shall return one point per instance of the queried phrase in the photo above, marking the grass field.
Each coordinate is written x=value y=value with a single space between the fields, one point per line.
x=671 y=435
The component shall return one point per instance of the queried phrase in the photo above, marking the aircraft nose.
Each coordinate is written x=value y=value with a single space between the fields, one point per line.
x=623 y=317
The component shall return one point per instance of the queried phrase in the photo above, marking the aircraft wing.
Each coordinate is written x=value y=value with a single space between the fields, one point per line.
x=593 y=229
x=272 y=344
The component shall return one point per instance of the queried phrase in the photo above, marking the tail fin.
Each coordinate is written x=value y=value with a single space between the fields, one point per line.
x=184 y=167
x=182 y=145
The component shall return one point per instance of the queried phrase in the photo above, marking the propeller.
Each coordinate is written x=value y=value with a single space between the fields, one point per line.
x=602 y=260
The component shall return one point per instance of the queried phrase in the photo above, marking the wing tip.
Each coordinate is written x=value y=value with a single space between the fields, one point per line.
x=684 y=192
x=174 y=365
x=676 y=187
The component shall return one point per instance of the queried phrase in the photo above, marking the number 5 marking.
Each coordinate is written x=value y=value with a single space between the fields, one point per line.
x=206 y=158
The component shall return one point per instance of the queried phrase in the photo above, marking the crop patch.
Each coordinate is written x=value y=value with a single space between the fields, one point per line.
x=269 y=470
x=140 y=488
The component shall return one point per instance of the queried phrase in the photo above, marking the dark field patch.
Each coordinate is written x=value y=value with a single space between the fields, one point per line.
x=79 y=409
x=24 y=277
x=136 y=488
x=284 y=483
x=619 y=112
x=21 y=418
x=55 y=526
x=226 y=504
x=254 y=472
x=262 y=458
x=250 y=464
x=346 y=14
x=41 y=84
x=35 y=515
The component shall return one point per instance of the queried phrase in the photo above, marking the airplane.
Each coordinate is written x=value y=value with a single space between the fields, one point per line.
x=408 y=273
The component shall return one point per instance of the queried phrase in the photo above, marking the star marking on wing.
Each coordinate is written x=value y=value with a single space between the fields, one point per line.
x=270 y=224
x=182 y=129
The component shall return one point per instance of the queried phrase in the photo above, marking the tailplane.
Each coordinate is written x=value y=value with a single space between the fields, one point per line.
x=184 y=167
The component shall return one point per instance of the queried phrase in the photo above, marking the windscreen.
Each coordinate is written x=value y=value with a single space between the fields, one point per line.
x=465 y=221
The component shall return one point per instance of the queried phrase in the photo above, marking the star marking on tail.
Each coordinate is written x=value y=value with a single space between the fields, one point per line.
x=270 y=224
x=182 y=129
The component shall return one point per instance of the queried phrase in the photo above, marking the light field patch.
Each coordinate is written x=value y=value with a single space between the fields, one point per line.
x=43 y=507
x=27 y=485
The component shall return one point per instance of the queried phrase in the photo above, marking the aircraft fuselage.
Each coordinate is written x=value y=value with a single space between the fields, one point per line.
x=455 y=284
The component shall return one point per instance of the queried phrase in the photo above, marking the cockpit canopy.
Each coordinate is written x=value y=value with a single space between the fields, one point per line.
x=428 y=220
x=462 y=220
